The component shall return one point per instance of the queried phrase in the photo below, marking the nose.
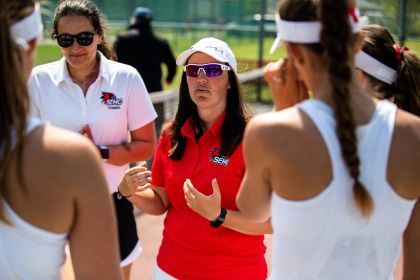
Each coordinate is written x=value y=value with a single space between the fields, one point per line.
x=76 y=44
x=202 y=75
x=201 y=70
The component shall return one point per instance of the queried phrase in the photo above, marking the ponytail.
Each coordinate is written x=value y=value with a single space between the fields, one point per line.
x=336 y=38
x=407 y=85
x=405 y=91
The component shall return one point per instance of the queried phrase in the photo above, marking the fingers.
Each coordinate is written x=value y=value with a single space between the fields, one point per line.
x=275 y=71
x=135 y=170
x=215 y=185
x=190 y=190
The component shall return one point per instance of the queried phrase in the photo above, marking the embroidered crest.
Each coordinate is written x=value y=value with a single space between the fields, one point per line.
x=217 y=158
x=111 y=101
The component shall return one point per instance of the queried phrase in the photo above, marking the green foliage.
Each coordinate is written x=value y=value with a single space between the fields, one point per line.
x=245 y=49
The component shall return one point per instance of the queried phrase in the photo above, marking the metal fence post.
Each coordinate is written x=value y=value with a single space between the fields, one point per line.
x=403 y=16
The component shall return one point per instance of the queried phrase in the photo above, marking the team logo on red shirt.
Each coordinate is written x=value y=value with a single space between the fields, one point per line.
x=111 y=101
x=217 y=158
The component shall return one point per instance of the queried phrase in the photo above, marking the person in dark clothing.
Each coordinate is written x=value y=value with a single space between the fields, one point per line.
x=145 y=51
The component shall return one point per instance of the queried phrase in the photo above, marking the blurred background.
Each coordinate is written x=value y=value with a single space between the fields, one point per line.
x=247 y=25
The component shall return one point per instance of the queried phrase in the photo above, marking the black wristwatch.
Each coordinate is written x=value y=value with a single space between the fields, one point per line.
x=220 y=220
x=104 y=151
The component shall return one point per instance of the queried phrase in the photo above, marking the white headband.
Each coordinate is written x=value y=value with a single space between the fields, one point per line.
x=28 y=28
x=303 y=32
x=375 y=68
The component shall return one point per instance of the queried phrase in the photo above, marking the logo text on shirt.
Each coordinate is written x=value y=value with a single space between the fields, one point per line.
x=217 y=158
x=111 y=101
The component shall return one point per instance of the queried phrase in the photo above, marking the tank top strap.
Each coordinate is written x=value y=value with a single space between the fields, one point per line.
x=322 y=116
x=33 y=123
x=386 y=113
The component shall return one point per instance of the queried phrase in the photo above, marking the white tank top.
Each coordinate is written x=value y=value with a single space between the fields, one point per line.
x=26 y=251
x=326 y=237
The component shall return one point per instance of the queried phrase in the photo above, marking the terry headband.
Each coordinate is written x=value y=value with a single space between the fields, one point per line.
x=305 y=32
x=28 y=28
x=375 y=68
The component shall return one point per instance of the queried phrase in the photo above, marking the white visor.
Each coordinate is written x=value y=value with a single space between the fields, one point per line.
x=303 y=32
x=375 y=68
x=28 y=28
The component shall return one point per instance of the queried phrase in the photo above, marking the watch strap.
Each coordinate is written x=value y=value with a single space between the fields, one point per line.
x=104 y=151
x=219 y=220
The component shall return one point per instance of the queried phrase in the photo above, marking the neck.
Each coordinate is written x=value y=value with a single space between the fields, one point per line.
x=78 y=75
x=361 y=102
x=209 y=117
x=86 y=76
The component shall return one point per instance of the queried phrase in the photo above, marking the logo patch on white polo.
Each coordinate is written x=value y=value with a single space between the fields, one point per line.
x=217 y=158
x=111 y=101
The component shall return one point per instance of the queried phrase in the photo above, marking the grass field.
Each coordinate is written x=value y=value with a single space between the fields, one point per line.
x=245 y=49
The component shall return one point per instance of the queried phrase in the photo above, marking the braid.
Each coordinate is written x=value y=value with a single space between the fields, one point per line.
x=336 y=36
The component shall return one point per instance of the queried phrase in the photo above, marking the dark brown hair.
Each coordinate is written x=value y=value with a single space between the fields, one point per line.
x=232 y=128
x=89 y=10
x=14 y=99
x=405 y=91
x=336 y=49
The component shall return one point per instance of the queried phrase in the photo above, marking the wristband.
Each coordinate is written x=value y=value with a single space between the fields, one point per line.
x=220 y=220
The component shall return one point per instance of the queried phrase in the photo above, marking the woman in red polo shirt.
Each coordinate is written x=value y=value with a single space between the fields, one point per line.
x=197 y=172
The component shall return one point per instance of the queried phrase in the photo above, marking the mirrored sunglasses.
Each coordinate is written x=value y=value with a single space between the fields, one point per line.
x=65 y=40
x=210 y=69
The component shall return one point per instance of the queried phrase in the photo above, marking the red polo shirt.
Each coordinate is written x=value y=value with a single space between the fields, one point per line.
x=190 y=248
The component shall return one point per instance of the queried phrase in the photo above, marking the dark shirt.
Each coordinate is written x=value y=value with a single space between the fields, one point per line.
x=145 y=51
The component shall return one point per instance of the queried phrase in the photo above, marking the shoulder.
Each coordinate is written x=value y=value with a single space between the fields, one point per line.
x=162 y=40
x=46 y=70
x=64 y=156
x=407 y=129
x=121 y=71
x=127 y=34
x=121 y=68
x=277 y=131
x=283 y=121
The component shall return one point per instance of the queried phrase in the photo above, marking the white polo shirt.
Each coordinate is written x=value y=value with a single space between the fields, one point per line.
x=116 y=103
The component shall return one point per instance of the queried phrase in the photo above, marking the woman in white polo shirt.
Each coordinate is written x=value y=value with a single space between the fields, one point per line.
x=102 y=99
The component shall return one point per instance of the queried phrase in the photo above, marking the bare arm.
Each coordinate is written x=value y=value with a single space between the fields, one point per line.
x=411 y=245
x=136 y=186
x=93 y=236
x=209 y=208
x=254 y=196
x=141 y=147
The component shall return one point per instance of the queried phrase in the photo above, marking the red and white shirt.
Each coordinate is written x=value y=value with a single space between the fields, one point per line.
x=190 y=248
x=116 y=103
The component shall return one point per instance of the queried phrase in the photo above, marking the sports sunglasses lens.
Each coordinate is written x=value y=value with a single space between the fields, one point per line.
x=213 y=70
x=84 y=38
x=64 y=40
x=192 y=70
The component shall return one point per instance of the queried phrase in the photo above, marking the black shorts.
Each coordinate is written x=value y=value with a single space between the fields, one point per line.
x=127 y=230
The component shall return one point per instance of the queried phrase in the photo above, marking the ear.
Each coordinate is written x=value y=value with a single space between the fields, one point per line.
x=100 y=37
x=295 y=51
x=32 y=46
x=360 y=40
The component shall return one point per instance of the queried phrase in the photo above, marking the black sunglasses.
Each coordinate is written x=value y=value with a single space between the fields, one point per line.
x=65 y=40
